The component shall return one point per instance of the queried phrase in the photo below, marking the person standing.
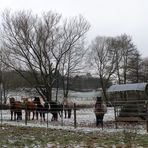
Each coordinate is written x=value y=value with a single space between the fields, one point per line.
x=100 y=110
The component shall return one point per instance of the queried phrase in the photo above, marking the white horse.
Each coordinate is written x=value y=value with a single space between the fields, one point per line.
x=67 y=107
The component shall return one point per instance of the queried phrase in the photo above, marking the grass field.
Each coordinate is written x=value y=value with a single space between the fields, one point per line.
x=37 y=137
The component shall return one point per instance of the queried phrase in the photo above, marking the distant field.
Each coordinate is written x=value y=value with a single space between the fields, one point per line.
x=72 y=94
x=82 y=99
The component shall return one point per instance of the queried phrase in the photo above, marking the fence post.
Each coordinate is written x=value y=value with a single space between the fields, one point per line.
x=115 y=113
x=47 y=119
x=146 y=115
x=1 y=107
x=25 y=114
x=62 y=112
x=75 y=118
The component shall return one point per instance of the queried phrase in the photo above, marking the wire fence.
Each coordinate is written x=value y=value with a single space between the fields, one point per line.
x=121 y=114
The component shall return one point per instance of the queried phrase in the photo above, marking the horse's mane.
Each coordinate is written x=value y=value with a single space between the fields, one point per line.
x=42 y=101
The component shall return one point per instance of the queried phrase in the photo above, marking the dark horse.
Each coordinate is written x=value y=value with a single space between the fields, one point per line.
x=55 y=108
x=29 y=106
x=41 y=108
x=15 y=109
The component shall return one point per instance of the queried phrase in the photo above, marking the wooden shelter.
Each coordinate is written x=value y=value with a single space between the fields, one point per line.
x=130 y=99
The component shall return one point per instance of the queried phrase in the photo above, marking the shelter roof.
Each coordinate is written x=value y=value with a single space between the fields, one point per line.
x=127 y=87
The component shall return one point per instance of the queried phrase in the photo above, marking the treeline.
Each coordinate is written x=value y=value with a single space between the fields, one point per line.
x=79 y=83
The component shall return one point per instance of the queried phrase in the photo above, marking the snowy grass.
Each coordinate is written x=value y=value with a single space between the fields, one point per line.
x=62 y=133
x=41 y=137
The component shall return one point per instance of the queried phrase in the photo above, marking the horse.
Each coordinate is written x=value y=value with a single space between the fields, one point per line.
x=41 y=107
x=29 y=106
x=15 y=109
x=67 y=107
x=55 y=109
x=100 y=111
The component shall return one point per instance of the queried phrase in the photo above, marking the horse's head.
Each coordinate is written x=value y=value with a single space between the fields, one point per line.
x=36 y=100
x=47 y=106
x=24 y=100
x=65 y=101
x=12 y=100
x=68 y=102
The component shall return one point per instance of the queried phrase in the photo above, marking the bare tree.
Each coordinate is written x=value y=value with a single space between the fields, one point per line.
x=37 y=44
x=125 y=52
x=72 y=61
x=135 y=68
x=117 y=46
x=4 y=82
x=111 y=56
x=104 y=58
x=144 y=69
x=128 y=48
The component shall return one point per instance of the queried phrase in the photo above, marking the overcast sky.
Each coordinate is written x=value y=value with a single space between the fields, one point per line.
x=107 y=17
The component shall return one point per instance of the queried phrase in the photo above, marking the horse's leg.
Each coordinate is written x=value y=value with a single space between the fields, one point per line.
x=56 y=117
x=52 y=118
x=41 y=114
x=15 y=115
x=44 y=116
x=11 y=115
x=65 y=111
x=69 y=113
x=102 y=120
x=20 y=115
x=28 y=115
x=60 y=110
x=61 y=113
x=37 y=115
x=33 y=115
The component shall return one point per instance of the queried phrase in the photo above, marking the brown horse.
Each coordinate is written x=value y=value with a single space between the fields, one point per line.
x=100 y=111
x=15 y=109
x=29 y=106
